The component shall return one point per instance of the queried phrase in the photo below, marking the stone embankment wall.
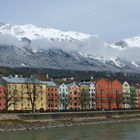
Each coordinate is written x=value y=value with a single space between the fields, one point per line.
x=68 y=115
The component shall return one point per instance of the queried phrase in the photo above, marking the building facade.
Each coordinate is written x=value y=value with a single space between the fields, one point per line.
x=52 y=96
x=84 y=96
x=92 y=95
x=137 y=96
x=3 y=91
x=126 y=95
x=108 y=94
x=74 y=92
x=63 y=97
x=24 y=93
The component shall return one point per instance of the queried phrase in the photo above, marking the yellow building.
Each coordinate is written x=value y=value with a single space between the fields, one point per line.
x=85 y=96
x=24 y=93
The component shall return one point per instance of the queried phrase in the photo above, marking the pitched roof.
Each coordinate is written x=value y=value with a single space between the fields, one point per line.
x=50 y=83
x=71 y=84
x=21 y=80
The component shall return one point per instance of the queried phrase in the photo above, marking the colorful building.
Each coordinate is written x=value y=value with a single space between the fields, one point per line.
x=63 y=97
x=84 y=96
x=51 y=96
x=133 y=97
x=126 y=94
x=21 y=91
x=3 y=91
x=90 y=87
x=92 y=95
x=108 y=94
x=137 y=96
x=116 y=94
x=74 y=92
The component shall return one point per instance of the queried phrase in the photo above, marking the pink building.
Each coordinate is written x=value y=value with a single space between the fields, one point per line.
x=74 y=103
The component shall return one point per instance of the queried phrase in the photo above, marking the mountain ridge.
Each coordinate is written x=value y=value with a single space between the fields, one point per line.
x=31 y=46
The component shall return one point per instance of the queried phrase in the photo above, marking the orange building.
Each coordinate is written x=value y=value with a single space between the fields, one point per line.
x=52 y=96
x=74 y=92
x=137 y=96
x=108 y=94
x=2 y=98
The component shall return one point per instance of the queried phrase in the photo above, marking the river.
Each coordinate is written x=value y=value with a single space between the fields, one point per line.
x=108 y=131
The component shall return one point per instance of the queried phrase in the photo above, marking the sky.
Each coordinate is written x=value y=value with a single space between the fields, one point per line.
x=113 y=20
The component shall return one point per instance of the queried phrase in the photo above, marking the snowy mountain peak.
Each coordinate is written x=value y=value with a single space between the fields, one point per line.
x=133 y=42
x=32 y=32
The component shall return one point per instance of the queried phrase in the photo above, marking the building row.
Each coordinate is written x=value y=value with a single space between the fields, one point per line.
x=18 y=93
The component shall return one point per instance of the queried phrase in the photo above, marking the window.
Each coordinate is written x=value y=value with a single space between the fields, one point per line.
x=15 y=86
x=22 y=87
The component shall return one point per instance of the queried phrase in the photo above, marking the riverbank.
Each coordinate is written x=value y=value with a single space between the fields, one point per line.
x=18 y=122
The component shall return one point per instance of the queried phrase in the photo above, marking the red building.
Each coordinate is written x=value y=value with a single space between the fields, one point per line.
x=52 y=96
x=136 y=97
x=108 y=94
x=2 y=98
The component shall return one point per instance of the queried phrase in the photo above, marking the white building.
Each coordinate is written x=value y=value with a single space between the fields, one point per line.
x=126 y=94
x=92 y=95
x=63 y=97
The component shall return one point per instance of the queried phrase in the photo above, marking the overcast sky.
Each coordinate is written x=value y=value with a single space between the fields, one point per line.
x=111 y=19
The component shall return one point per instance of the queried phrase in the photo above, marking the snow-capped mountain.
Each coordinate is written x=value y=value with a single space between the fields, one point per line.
x=133 y=42
x=31 y=46
x=32 y=33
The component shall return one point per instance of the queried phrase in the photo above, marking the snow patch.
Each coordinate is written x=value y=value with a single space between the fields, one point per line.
x=133 y=63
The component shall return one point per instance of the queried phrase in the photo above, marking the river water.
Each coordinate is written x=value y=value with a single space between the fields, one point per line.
x=107 y=131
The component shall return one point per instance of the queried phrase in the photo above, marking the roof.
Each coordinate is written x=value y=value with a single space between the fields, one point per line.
x=21 y=80
x=71 y=84
x=86 y=83
x=50 y=83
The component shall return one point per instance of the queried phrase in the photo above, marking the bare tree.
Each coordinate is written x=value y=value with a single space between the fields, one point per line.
x=84 y=99
x=32 y=89
x=10 y=98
